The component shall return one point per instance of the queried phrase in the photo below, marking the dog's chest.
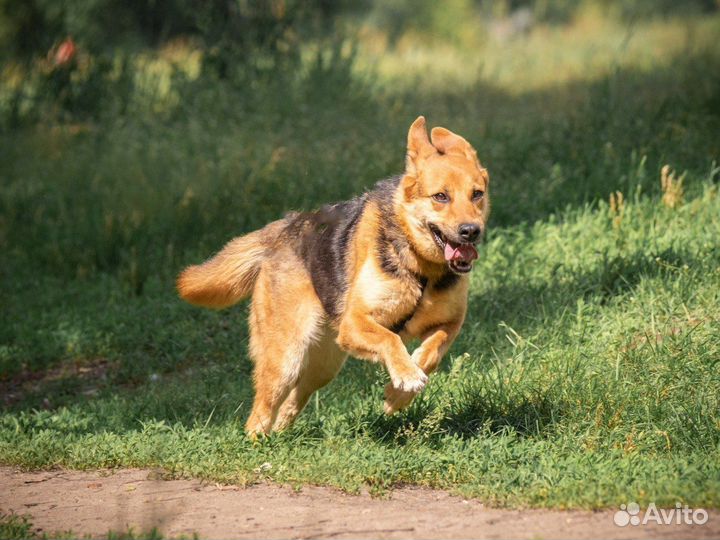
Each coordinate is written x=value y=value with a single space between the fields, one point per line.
x=430 y=305
x=401 y=303
x=390 y=300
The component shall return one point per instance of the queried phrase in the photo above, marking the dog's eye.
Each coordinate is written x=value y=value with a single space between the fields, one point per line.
x=441 y=197
x=478 y=195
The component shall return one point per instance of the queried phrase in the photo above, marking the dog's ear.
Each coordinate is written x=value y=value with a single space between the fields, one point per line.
x=448 y=142
x=418 y=146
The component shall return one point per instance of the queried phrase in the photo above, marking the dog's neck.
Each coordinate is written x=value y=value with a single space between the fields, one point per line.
x=398 y=253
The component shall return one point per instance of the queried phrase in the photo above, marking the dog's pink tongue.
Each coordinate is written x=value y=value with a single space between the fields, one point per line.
x=460 y=252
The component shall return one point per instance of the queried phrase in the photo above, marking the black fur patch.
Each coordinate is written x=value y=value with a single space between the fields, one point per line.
x=446 y=282
x=388 y=258
x=391 y=240
x=398 y=326
x=325 y=244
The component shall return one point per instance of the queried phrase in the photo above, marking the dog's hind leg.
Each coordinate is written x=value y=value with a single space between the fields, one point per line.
x=285 y=318
x=324 y=359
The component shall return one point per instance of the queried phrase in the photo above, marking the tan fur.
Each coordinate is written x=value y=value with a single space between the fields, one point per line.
x=228 y=277
x=296 y=348
x=286 y=319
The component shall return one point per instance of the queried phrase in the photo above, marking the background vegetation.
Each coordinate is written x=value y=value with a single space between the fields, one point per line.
x=587 y=372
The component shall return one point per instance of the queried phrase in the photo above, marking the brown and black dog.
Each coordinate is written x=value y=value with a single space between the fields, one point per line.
x=361 y=277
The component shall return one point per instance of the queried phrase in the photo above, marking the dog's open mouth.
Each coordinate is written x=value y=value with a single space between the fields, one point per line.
x=459 y=255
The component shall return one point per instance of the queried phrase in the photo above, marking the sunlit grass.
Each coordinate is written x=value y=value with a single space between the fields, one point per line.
x=590 y=351
x=547 y=56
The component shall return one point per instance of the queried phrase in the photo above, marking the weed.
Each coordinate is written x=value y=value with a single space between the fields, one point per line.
x=672 y=187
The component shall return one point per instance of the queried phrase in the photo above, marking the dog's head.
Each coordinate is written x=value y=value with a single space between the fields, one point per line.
x=443 y=200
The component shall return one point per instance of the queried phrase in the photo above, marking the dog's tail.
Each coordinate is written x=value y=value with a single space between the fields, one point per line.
x=229 y=276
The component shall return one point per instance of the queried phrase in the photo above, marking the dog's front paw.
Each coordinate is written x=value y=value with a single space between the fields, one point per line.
x=410 y=379
x=396 y=400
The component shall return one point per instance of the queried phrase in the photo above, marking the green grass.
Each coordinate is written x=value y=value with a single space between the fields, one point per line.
x=14 y=527
x=586 y=374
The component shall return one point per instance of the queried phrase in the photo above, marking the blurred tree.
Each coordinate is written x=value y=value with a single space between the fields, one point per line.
x=32 y=27
x=660 y=8
x=442 y=19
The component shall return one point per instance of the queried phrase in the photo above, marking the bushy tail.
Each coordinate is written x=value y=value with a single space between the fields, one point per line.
x=228 y=277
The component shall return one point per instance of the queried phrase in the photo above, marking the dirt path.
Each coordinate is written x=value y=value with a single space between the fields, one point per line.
x=95 y=502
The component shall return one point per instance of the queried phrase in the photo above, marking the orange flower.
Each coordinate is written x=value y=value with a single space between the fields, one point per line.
x=65 y=52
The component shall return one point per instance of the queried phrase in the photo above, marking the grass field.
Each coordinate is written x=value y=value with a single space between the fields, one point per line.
x=587 y=373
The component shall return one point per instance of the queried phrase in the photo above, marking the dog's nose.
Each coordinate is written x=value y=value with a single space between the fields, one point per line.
x=469 y=232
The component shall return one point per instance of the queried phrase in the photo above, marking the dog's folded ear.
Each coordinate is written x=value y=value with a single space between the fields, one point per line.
x=418 y=146
x=448 y=142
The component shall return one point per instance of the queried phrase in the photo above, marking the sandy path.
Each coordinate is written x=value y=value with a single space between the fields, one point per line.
x=95 y=502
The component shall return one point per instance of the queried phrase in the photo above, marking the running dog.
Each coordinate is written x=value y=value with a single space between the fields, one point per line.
x=361 y=277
